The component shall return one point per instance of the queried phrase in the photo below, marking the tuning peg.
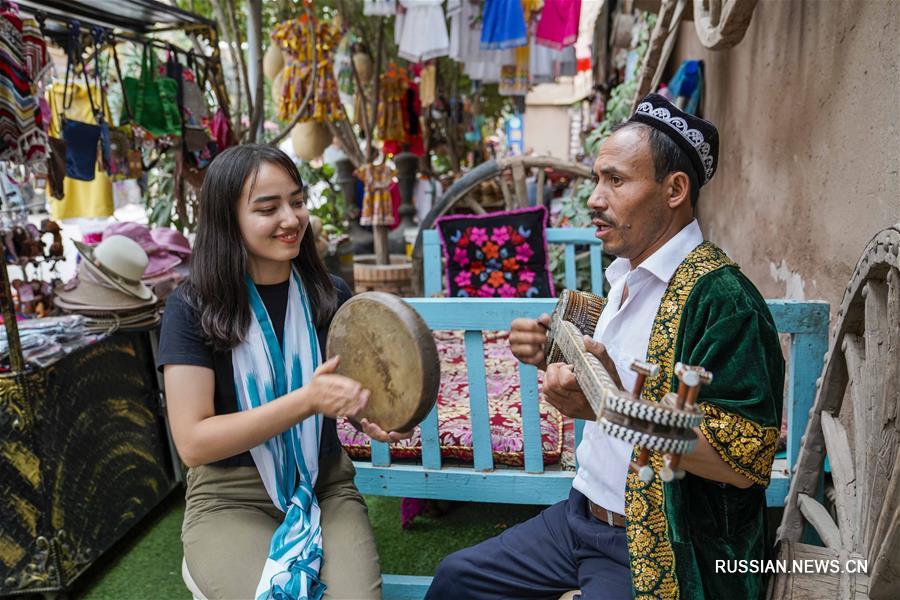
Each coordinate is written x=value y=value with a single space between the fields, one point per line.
x=644 y=370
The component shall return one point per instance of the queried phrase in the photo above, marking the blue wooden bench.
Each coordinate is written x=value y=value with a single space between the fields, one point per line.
x=805 y=322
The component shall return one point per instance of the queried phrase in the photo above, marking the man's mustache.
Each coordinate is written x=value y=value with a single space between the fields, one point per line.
x=600 y=216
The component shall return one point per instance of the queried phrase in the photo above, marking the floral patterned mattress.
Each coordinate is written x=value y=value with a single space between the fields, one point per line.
x=454 y=426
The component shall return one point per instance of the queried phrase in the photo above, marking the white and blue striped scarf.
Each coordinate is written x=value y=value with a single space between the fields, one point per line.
x=289 y=462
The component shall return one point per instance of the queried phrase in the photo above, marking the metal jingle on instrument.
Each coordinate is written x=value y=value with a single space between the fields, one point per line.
x=655 y=413
x=681 y=442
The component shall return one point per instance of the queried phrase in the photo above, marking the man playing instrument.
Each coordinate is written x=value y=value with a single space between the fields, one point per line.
x=673 y=298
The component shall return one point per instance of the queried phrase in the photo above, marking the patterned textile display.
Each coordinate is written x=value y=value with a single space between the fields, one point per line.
x=394 y=84
x=377 y=208
x=24 y=61
x=558 y=25
x=501 y=254
x=454 y=425
x=465 y=43
x=296 y=42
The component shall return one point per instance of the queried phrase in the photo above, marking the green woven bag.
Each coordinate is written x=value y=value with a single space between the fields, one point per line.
x=153 y=99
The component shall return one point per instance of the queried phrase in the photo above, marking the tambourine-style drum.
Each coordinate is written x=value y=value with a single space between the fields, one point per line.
x=386 y=346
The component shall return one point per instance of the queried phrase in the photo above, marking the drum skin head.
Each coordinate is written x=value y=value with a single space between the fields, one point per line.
x=386 y=346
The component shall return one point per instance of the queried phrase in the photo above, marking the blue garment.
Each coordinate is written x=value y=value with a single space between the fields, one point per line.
x=503 y=25
x=563 y=548
x=688 y=82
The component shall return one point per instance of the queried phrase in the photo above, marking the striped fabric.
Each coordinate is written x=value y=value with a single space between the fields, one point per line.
x=288 y=463
x=23 y=61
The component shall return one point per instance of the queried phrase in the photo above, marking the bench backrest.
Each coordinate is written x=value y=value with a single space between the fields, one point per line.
x=569 y=237
x=805 y=322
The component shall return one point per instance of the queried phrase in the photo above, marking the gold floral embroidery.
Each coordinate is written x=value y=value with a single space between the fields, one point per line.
x=649 y=547
x=746 y=446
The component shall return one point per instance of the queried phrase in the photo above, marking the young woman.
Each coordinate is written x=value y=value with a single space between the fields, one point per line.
x=271 y=505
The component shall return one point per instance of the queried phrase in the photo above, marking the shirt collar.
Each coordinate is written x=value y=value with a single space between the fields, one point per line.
x=662 y=263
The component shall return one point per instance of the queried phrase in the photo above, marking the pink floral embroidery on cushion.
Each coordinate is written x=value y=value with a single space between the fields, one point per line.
x=478 y=235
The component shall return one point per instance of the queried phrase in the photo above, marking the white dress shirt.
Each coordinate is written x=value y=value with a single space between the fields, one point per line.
x=624 y=328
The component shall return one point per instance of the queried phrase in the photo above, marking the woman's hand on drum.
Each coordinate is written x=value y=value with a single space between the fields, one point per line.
x=527 y=338
x=335 y=395
x=377 y=433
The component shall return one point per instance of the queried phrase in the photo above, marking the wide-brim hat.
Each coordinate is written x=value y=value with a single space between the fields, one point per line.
x=91 y=297
x=171 y=240
x=159 y=257
x=114 y=276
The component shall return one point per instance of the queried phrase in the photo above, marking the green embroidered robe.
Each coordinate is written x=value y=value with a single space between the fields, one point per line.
x=712 y=316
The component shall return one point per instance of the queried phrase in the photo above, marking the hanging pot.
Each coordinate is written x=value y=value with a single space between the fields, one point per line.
x=364 y=67
x=310 y=139
x=278 y=88
x=273 y=61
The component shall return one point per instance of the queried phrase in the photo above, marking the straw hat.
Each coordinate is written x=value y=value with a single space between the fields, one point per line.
x=119 y=262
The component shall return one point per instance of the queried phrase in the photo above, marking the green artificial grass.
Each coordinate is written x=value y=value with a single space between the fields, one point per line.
x=148 y=564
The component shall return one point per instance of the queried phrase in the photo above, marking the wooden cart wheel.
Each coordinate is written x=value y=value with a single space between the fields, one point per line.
x=510 y=174
x=863 y=362
x=721 y=24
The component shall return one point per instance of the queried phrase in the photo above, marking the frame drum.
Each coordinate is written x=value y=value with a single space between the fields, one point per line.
x=386 y=346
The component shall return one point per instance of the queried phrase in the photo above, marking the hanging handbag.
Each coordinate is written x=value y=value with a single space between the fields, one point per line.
x=125 y=150
x=153 y=98
x=81 y=138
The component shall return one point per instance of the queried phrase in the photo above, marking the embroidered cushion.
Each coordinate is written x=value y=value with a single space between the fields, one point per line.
x=499 y=255
x=454 y=425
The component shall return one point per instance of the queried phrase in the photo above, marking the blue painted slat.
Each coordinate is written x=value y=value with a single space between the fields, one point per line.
x=431 y=449
x=381 y=454
x=596 y=271
x=799 y=316
x=509 y=486
x=777 y=490
x=807 y=352
x=404 y=587
x=479 y=313
x=531 y=419
x=478 y=402
x=571 y=271
x=431 y=255
x=572 y=235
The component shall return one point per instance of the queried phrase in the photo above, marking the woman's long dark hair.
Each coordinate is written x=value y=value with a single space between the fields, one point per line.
x=215 y=287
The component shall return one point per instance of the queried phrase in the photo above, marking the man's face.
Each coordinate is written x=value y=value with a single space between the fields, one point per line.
x=628 y=206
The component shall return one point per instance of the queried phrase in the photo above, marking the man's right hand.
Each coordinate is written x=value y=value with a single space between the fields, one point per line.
x=527 y=338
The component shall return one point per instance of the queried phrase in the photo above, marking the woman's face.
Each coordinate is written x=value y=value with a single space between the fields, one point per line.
x=272 y=217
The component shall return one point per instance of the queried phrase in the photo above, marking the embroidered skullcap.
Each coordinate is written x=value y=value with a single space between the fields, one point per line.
x=698 y=138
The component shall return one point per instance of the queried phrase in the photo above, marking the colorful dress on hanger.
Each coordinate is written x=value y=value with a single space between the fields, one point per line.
x=377 y=206
x=421 y=30
x=394 y=84
x=503 y=25
x=295 y=39
x=558 y=25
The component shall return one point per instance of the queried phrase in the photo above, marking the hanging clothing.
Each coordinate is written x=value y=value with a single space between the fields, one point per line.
x=376 y=208
x=80 y=198
x=379 y=8
x=503 y=25
x=24 y=52
x=465 y=43
x=428 y=85
x=394 y=84
x=558 y=25
x=421 y=31
x=295 y=39
x=426 y=193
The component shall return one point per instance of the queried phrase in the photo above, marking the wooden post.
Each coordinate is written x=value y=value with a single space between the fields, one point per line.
x=16 y=362
x=382 y=252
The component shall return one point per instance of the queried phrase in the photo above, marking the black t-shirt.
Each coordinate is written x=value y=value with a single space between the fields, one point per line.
x=182 y=343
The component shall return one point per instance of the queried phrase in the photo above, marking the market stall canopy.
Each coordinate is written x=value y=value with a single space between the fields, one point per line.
x=140 y=16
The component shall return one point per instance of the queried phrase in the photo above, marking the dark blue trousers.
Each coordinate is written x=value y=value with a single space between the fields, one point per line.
x=563 y=548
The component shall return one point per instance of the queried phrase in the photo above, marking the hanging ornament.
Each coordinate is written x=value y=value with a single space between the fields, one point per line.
x=273 y=61
x=390 y=104
x=364 y=67
x=278 y=87
x=310 y=139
